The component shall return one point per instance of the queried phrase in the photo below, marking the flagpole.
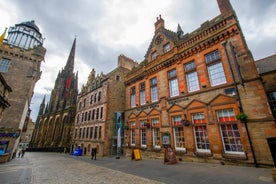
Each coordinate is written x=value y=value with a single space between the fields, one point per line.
x=118 y=143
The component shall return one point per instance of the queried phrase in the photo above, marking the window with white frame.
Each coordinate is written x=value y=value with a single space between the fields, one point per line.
x=167 y=47
x=191 y=76
x=173 y=83
x=132 y=97
x=4 y=65
x=143 y=134
x=200 y=132
x=229 y=131
x=153 y=90
x=192 y=81
x=153 y=55
x=142 y=94
x=156 y=133
x=132 y=133
x=178 y=131
x=215 y=68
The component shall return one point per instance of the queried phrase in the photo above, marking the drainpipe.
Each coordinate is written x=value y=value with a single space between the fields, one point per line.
x=239 y=100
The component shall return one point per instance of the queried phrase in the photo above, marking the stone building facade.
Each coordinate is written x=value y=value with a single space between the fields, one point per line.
x=99 y=100
x=21 y=55
x=5 y=90
x=27 y=133
x=200 y=94
x=267 y=70
x=55 y=119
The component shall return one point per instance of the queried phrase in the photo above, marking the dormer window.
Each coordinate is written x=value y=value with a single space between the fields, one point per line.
x=167 y=47
x=153 y=55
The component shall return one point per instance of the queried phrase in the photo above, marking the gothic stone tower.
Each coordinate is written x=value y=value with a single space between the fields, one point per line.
x=53 y=124
x=21 y=55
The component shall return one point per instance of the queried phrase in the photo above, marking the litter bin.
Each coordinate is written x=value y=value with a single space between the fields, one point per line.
x=78 y=152
x=272 y=145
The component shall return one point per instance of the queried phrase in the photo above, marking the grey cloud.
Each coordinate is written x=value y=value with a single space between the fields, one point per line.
x=61 y=20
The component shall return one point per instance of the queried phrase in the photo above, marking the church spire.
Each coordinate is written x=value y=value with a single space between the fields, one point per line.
x=70 y=62
x=42 y=106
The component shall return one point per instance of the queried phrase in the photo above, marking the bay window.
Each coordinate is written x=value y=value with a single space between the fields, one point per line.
x=229 y=131
x=178 y=132
x=132 y=133
x=143 y=135
x=156 y=133
x=200 y=132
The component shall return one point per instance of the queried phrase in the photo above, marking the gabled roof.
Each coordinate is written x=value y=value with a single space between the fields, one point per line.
x=169 y=34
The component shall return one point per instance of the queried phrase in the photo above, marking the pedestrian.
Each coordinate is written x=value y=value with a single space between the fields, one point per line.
x=19 y=153
x=23 y=151
x=93 y=153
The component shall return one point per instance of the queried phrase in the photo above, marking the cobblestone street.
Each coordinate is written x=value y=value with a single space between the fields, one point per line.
x=56 y=168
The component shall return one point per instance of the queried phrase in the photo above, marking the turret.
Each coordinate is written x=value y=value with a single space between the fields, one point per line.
x=25 y=35
x=179 y=31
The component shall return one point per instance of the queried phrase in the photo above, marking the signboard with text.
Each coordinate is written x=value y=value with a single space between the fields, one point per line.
x=166 y=139
x=136 y=155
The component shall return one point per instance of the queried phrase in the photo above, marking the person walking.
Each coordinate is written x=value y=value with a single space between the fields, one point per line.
x=23 y=151
x=93 y=153
x=19 y=153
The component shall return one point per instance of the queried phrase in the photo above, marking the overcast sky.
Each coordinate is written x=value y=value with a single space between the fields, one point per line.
x=107 y=28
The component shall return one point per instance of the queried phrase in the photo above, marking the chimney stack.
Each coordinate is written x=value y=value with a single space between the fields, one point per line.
x=159 y=23
x=224 y=6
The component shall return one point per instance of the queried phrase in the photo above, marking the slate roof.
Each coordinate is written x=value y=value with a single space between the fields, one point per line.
x=267 y=64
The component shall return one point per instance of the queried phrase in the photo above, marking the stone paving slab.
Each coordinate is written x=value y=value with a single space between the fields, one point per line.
x=53 y=168
x=57 y=168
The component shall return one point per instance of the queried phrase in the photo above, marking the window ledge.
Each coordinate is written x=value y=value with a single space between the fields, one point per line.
x=235 y=156
x=180 y=149
x=203 y=154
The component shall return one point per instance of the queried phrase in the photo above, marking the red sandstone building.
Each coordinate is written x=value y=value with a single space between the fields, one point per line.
x=100 y=105
x=203 y=92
